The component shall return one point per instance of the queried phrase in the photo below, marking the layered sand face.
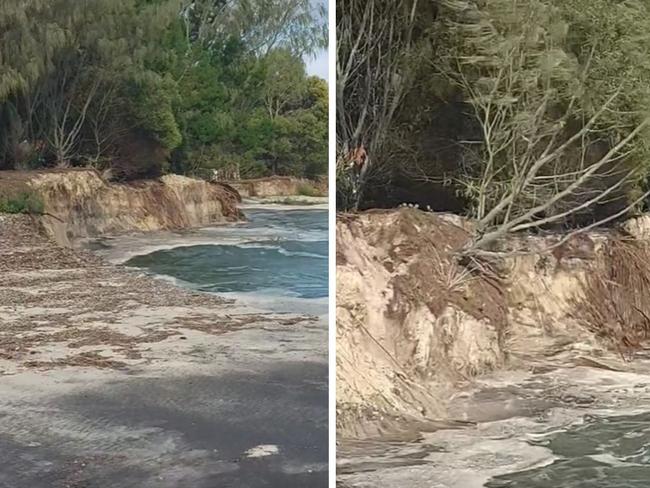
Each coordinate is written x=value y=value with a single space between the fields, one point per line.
x=447 y=378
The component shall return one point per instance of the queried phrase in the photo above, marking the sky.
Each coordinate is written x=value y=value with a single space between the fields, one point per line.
x=319 y=65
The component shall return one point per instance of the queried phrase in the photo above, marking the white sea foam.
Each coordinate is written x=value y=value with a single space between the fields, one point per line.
x=263 y=233
x=248 y=204
x=470 y=457
x=263 y=450
x=302 y=254
x=120 y=249
x=277 y=300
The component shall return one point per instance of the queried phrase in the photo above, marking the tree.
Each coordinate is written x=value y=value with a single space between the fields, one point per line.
x=144 y=86
x=264 y=115
x=313 y=138
x=373 y=72
x=543 y=153
x=58 y=56
x=285 y=83
x=152 y=98
x=299 y=26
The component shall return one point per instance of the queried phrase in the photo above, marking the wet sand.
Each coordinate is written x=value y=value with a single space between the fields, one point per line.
x=111 y=378
x=194 y=430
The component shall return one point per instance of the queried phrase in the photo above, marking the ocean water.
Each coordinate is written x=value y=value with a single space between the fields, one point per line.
x=603 y=452
x=567 y=427
x=596 y=452
x=277 y=260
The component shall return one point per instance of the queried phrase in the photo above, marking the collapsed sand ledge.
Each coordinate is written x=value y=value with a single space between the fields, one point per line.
x=415 y=329
x=278 y=186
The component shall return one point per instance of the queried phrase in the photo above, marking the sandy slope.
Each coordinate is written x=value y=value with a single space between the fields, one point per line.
x=443 y=377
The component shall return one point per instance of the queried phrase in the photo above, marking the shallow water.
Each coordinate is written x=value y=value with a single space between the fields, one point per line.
x=605 y=452
x=278 y=259
x=597 y=452
x=570 y=427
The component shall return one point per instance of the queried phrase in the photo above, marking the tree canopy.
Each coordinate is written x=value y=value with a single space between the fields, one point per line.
x=140 y=87
x=536 y=109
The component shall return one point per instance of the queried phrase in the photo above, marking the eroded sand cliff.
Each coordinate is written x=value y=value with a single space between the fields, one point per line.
x=277 y=186
x=414 y=327
x=81 y=204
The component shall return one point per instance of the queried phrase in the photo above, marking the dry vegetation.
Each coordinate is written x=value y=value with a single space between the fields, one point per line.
x=615 y=303
x=433 y=275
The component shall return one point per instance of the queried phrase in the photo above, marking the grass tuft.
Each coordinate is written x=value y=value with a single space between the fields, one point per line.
x=23 y=203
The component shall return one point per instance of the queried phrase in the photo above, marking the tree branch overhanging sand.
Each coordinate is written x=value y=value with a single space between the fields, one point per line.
x=541 y=157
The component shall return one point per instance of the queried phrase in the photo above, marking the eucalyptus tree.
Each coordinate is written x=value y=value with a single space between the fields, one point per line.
x=285 y=82
x=373 y=73
x=261 y=25
x=58 y=57
x=561 y=131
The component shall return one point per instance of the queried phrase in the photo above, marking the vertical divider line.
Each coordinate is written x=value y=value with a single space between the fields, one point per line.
x=332 y=243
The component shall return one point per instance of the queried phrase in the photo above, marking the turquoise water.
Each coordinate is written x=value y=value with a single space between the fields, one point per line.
x=604 y=452
x=278 y=252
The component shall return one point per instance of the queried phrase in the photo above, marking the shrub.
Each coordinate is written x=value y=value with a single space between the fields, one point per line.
x=24 y=203
x=308 y=190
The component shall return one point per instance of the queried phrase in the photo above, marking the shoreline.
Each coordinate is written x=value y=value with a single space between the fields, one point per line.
x=96 y=287
x=76 y=326
x=130 y=245
x=121 y=249
x=508 y=413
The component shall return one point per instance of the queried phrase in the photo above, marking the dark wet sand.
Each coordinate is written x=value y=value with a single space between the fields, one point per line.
x=207 y=424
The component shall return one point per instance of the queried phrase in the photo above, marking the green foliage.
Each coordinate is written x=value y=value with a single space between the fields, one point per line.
x=307 y=190
x=151 y=107
x=285 y=83
x=249 y=112
x=146 y=86
x=547 y=67
x=617 y=33
x=299 y=26
x=534 y=74
x=23 y=203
